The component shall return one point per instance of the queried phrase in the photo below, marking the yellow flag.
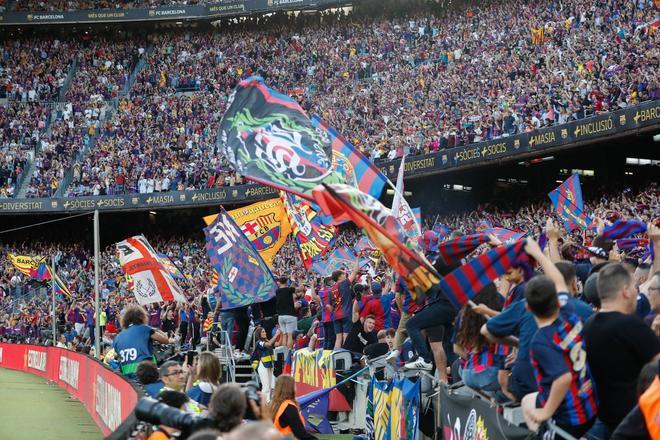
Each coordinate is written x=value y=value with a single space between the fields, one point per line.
x=26 y=265
x=265 y=224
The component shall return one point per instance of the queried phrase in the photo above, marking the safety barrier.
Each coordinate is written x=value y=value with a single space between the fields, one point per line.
x=108 y=397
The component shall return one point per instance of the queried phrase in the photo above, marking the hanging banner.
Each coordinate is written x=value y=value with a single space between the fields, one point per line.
x=314 y=371
x=393 y=409
x=243 y=277
x=466 y=417
x=265 y=224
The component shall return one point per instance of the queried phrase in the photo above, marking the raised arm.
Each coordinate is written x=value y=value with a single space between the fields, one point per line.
x=533 y=250
x=552 y=232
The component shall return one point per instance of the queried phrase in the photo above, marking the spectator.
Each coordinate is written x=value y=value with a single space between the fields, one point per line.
x=205 y=378
x=286 y=411
x=614 y=330
x=148 y=376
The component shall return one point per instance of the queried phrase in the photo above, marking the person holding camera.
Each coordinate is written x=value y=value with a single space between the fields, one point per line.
x=285 y=409
x=175 y=399
x=133 y=343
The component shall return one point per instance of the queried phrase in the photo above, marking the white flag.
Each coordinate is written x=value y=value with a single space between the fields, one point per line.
x=152 y=282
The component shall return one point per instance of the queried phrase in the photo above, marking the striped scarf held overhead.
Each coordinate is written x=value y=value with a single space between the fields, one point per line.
x=462 y=284
x=452 y=251
x=631 y=243
x=624 y=228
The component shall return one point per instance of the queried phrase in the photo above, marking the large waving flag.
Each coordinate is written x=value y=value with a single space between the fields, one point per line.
x=568 y=203
x=624 y=228
x=268 y=138
x=152 y=282
x=350 y=163
x=464 y=283
x=243 y=277
x=312 y=236
x=344 y=202
x=265 y=224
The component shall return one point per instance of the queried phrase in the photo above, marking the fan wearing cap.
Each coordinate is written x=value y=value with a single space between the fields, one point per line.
x=599 y=252
x=379 y=306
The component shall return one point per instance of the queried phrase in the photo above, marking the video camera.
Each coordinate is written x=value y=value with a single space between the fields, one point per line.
x=157 y=413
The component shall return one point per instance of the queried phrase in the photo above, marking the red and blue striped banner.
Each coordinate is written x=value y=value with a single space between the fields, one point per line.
x=504 y=235
x=624 y=228
x=452 y=251
x=464 y=283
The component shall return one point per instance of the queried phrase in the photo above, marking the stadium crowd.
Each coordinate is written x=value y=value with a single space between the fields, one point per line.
x=369 y=309
x=79 y=5
x=419 y=82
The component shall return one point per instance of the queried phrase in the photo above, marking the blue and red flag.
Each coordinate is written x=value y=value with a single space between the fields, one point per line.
x=504 y=235
x=350 y=163
x=462 y=284
x=442 y=231
x=44 y=274
x=568 y=203
x=452 y=251
x=624 y=228
x=631 y=243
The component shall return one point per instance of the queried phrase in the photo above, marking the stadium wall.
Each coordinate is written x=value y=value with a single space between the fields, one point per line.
x=643 y=117
x=108 y=397
x=182 y=12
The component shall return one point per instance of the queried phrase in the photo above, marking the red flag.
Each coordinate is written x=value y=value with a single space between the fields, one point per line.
x=344 y=202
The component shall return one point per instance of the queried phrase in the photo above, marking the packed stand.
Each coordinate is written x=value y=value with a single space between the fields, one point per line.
x=66 y=137
x=608 y=298
x=79 y=5
x=156 y=144
x=21 y=128
x=35 y=68
x=103 y=69
x=419 y=83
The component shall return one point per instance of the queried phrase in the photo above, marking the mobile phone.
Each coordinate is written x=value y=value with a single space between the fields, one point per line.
x=191 y=355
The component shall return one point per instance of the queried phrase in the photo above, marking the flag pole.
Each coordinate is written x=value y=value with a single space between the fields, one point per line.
x=52 y=289
x=97 y=315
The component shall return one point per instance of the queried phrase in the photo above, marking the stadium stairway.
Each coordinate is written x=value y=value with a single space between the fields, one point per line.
x=26 y=177
x=68 y=175
x=67 y=82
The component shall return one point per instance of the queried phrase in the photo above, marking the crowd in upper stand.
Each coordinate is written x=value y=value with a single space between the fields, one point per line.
x=415 y=83
x=78 y=5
